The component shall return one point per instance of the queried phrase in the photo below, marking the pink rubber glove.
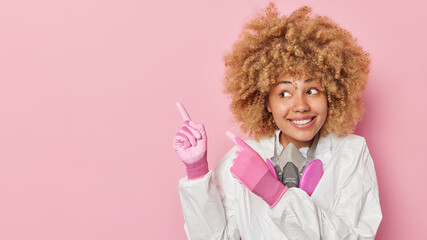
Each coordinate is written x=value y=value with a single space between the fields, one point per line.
x=251 y=170
x=190 y=143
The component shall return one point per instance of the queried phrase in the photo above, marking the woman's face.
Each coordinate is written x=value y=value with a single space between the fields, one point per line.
x=299 y=108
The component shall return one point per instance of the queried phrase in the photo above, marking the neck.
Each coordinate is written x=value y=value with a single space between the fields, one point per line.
x=285 y=140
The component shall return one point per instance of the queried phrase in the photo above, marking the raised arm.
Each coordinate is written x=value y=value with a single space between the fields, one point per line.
x=190 y=143
x=202 y=206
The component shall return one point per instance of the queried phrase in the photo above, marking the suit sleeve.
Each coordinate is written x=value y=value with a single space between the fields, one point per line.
x=356 y=211
x=208 y=210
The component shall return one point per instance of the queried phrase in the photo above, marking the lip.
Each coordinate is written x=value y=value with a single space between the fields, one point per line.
x=302 y=126
x=301 y=118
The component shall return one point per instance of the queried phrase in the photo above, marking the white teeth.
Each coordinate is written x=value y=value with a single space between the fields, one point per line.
x=299 y=122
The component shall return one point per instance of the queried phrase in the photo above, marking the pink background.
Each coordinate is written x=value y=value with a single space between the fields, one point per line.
x=87 y=109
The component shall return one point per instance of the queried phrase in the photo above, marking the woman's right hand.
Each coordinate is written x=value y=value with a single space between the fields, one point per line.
x=190 y=143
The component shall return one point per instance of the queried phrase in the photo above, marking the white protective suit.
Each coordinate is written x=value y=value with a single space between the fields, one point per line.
x=344 y=205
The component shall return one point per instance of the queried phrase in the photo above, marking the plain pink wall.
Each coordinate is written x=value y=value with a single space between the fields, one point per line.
x=87 y=109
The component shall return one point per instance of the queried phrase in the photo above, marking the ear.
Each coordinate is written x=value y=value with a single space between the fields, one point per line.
x=267 y=104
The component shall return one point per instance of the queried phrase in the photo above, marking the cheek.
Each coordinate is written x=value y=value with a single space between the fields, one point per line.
x=280 y=110
x=320 y=106
x=323 y=107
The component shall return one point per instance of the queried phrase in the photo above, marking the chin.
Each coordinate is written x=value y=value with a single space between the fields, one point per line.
x=304 y=137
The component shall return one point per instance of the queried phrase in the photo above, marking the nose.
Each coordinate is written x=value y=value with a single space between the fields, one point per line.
x=300 y=104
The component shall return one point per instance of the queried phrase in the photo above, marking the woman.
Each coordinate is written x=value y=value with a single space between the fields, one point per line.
x=295 y=82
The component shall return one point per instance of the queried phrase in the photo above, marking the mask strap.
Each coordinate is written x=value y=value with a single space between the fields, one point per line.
x=275 y=161
x=275 y=145
x=311 y=151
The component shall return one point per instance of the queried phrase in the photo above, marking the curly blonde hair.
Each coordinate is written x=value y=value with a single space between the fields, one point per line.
x=299 y=46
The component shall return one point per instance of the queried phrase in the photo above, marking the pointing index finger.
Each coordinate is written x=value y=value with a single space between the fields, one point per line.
x=183 y=112
x=238 y=141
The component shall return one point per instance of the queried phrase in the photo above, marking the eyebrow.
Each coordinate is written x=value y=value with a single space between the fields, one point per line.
x=305 y=81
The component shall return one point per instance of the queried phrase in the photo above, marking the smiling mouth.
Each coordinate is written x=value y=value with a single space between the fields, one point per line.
x=302 y=122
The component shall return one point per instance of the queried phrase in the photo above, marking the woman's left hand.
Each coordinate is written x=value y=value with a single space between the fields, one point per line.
x=252 y=171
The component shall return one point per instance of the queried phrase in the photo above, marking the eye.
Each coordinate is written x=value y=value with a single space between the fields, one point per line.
x=285 y=94
x=313 y=91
